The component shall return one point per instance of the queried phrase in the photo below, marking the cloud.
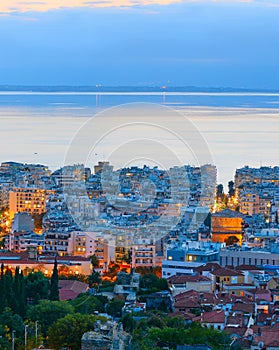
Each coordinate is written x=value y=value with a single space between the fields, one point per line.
x=12 y=6
x=44 y=6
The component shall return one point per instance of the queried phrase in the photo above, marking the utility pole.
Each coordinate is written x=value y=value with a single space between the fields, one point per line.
x=36 y=332
x=25 y=336
x=13 y=340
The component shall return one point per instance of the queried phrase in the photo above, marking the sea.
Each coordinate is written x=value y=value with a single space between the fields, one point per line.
x=237 y=129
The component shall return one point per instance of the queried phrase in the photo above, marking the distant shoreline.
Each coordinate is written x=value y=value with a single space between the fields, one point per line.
x=138 y=93
x=179 y=90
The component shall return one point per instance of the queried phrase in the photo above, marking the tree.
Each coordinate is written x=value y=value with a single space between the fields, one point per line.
x=94 y=279
x=94 y=261
x=87 y=304
x=148 y=281
x=231 y=240
x=67 y=332
x=10 y=290
x=36 y=286
x=47 y=312
x=162 y=284
x=54 y=289
x=128 y=323
x=128 y=256
x=220 y=191
x=153 y=283
x=3 y=289
x=20 y=293
x=114 y=307
x=208 y=220
x=10 y=322
x=169 y=333
x=231 y=188
x=38 y=221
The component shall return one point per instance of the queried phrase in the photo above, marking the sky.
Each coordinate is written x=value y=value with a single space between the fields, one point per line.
x=140 y=42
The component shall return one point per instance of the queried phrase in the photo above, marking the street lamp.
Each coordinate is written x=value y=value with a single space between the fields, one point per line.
x=25 y=336
x=13 y=340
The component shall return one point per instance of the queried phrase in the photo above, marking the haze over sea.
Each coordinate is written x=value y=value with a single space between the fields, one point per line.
x=239 y=128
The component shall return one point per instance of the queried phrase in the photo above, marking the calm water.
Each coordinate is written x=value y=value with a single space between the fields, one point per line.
x=239 y=129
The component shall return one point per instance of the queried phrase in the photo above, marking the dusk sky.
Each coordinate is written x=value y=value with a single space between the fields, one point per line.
x=140 y=42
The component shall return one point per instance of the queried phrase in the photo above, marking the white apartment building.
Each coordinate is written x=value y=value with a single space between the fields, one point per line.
x=144 y=253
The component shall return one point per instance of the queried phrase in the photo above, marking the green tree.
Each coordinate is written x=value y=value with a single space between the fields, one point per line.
x=94 y=279
x=36 y=287
x=148 y=281
x=47 y=312
x=94 y=261
x=162 y=284
x=3 y=289
x=87 y=304
x=54 y=289
x=152 y=283
x=22 y=301
x=128 y=322
x=67 y=332
x=114 y=307
x=10 y=289
x=20 y=293
x=4 y=342
x=173 y=336
x=10 y=322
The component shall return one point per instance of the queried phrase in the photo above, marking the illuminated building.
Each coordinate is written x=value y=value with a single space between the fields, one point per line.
x=225 y=224
x=144 y=254
x=29 y=200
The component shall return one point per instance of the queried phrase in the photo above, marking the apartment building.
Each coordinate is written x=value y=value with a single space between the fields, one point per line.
x=30 y=200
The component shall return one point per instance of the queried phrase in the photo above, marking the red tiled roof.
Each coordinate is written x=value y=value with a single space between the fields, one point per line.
x=216 y=316
x=245 y=308
x=203 y=298
x=274 y=343
x=231 y=298
x=267 y=336
x=226 y=272
x=187 y=278
x=186 y=304
x=189 y=294
x=262 y=317
x=69 y=289
x=236 y=320
x=208 y=267
x=240 y=331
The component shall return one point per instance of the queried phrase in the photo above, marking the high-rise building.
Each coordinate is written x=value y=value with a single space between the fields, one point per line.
x=29 y=200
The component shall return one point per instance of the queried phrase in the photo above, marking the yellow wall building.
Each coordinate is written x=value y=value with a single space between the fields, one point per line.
x=29 y=200
x=225 y=224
